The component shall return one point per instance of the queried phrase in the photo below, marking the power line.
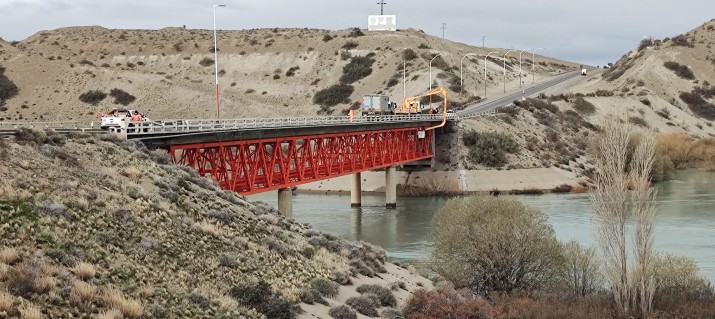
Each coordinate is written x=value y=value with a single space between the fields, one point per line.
x=444 y=27
x=381 y=3
x=484 y=38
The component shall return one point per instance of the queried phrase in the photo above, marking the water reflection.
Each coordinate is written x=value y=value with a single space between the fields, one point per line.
x=684 y=224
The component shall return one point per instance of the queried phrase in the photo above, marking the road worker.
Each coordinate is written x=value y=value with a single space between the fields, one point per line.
x=352 y=114
x=137 y=117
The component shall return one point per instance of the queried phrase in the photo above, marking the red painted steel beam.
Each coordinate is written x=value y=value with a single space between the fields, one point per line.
x=255 y=166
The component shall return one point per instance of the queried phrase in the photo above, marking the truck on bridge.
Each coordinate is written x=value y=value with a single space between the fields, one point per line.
x=377 y=104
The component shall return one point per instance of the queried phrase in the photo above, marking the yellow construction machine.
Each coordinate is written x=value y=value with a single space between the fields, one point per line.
x=413 y=105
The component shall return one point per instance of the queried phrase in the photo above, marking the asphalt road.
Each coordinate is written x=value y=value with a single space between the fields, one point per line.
x=506 y=100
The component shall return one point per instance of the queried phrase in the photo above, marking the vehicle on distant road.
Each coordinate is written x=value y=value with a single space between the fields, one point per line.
x=583 y=71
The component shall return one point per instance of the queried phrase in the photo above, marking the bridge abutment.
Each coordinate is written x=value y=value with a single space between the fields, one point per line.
x=356 y=191
x=285 y=202
x=391 y=187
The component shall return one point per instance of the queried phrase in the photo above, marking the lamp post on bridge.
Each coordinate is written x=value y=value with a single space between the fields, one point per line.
x=485 y=72
x=430 y=70
x=504 y=59
x=533 y=62
x=218 y=103
x=520 y=81
x=460 y=72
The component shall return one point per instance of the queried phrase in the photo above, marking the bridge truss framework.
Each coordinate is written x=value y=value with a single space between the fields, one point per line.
x=255 y=166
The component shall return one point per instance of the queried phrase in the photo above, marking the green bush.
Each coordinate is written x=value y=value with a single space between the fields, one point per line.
x=680 y=70
x=121 y=97
x=489 y=148
x=326 y=287
x=580 y=273
x=93 y=97
x=584 y=107
x=334 y=95
x=8 y=89
x=679 y=277
x=312 y=296
x=493 y=244
x=205 y=62
x=363 y=305
x=358 y=68
x=342 y=312
x=385 y=295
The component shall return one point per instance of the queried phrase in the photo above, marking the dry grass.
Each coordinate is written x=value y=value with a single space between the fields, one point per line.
x=208 y=229
x=84 y=270
x=110 y=314
x=8 y=256
x=684 y=150
x=132 y=172
x=85 y=291
x=128 y=307
x=30 y=312
x=579 y=188
x=227 y=303
x=147 y=292
x=6 y=301
x=45 y=284
x=10 y=193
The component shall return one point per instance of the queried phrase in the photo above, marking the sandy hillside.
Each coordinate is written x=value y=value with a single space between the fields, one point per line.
x=263 y=73
x=133 y=237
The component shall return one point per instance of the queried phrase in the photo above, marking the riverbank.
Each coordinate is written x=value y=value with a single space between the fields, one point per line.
x=462 y=181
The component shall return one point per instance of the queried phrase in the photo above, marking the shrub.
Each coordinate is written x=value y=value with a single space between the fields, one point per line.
x=682 y=40
x=645 y=102
x=384 y=295
x=291 y=71
x=680 y=70
x=678 y=276
x=326 y=287
x=580 y=274
x=334 y=95
x=8 y=89
x=22 y=279
x=489 y=148
x=121 y=97
x=450 y=303
x=260 y=297
x=327 y=38
x=364 y=305
x=409 y=54
x=342 y=312
x=206 y=62
x=350 y=45
x=391 y=313
x=358 y=68
x=423 y=46
x=93 y=97
x=584 y=107
x=604 y=93
x=698 y=105
x=494 y=244
x=312 y=296
x=355 y=32
x=637 y=120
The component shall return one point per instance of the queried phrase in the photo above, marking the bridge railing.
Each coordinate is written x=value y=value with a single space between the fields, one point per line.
x=181 y=125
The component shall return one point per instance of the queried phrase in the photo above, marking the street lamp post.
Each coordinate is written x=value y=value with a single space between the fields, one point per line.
x=218 y=112
x=504 y=59
x=533 y=62
x=404 y=74
x=430 y=71
x=485 y=72
x=520 y=81
x=460 y=71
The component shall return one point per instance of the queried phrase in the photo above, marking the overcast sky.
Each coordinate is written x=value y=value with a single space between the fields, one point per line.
x=592 y=32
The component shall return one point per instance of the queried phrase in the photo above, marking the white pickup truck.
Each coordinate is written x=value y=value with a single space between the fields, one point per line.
x=116 y=116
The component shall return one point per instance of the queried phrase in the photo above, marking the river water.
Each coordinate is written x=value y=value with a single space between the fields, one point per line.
x=685 y=222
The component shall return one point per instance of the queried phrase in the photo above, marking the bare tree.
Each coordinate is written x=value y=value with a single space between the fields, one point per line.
x=643 y=209
x=632 y=287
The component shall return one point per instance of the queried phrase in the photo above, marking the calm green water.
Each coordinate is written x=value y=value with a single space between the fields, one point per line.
x=685 y=224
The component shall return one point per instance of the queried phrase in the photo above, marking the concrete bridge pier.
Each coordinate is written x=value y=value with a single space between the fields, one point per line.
x=356 y=191
x=391 y=187
x=285 y=202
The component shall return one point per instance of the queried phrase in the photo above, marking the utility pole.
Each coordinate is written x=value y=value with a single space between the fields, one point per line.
x=381 y=3
x=444 y=26
x=483 y=39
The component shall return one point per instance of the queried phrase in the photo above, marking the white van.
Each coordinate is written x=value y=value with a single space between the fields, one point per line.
x=583 y=71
